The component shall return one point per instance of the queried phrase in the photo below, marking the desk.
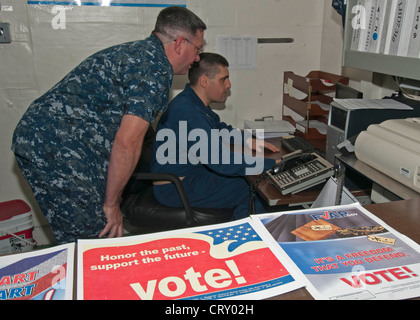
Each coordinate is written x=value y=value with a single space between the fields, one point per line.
x=272 y=195
x=403 y=216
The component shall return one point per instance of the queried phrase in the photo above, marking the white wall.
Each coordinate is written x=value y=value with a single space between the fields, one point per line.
x=257 y=93
x=40 y=55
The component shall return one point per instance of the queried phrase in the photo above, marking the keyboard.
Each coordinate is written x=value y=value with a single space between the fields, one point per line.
x=298 y=143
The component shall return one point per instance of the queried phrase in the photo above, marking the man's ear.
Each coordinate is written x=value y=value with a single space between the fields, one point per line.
x=204 y=81
x=178 y=43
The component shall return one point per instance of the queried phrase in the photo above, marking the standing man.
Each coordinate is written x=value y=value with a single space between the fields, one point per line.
x=209 y=181
x=78 y=144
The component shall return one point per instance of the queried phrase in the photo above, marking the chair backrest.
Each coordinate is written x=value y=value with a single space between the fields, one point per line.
x=143 y=165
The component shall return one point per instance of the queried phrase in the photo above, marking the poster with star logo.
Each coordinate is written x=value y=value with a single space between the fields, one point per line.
x=224 y=261
x=347 y=253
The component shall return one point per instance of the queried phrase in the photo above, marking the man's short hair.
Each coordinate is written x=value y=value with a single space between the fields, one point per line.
x=208 y=65
x=175 y=20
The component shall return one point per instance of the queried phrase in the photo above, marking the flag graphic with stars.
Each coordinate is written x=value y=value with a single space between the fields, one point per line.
x=235 y=235
x=225 y=261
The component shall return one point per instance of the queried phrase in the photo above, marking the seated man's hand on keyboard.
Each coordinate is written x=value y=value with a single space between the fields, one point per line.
x=259 y=145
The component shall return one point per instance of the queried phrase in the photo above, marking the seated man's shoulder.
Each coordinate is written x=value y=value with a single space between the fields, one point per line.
x=181 y=105
x=181 y=98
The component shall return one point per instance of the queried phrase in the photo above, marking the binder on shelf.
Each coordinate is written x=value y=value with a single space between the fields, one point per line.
x=414 y=42
x=380 y=25
x=406 y=24
x=393 y=15
x=355 y=39
x=386 y=27
x=367 y=32
x=403 y=61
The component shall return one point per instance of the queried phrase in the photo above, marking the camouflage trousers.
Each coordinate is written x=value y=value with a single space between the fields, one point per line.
x=73 y=212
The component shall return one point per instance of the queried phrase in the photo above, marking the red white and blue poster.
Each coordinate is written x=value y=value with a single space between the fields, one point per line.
x=346 y=252
x=38 y=275
x=224 y=261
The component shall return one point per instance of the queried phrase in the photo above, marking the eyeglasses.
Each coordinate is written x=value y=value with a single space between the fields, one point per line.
x=198 y=49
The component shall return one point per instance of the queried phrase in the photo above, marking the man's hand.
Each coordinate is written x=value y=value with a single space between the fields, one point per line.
x=271 y=147
x=259 y=145
x=114 y=225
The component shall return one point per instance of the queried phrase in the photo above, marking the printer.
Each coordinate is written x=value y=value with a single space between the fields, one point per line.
x=345 y=123
x=393 y=147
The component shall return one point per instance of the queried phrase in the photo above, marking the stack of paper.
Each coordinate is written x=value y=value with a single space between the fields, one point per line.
x=269 y=129
x=313 y=124
x=354 y=104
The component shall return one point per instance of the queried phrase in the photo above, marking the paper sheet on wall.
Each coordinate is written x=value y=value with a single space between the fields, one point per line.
x=240 y=51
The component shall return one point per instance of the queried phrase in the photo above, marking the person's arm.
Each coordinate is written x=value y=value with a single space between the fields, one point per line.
x=219 y=157
x=124 y=157
x=255 y=144
x=258 y=145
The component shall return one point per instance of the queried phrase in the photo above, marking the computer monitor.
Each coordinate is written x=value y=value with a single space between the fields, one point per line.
x=345 y=92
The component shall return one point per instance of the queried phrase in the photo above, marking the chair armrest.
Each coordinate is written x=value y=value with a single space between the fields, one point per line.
x=178 y=185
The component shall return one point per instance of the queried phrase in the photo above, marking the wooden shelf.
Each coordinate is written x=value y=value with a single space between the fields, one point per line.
x=315 y=81
x=315 y=86
x=305 y=106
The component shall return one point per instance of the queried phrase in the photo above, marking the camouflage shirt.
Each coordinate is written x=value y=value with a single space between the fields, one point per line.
x=75 y=122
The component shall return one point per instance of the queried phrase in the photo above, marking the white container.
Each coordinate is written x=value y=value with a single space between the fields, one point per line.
x=16 y=226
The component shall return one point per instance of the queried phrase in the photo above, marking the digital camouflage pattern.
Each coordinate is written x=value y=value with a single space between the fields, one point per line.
x=63 y=141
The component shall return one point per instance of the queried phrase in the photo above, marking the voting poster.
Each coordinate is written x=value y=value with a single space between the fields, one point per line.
x=38 y=275
x=224 y=261
x=347 y=253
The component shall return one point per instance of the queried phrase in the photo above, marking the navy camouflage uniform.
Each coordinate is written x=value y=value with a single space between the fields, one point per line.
x=63 y=141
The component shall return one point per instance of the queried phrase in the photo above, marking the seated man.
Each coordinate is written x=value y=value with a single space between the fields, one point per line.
x=189 y=144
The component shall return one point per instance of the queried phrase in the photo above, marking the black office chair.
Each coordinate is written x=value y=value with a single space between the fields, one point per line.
x=144 y=214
